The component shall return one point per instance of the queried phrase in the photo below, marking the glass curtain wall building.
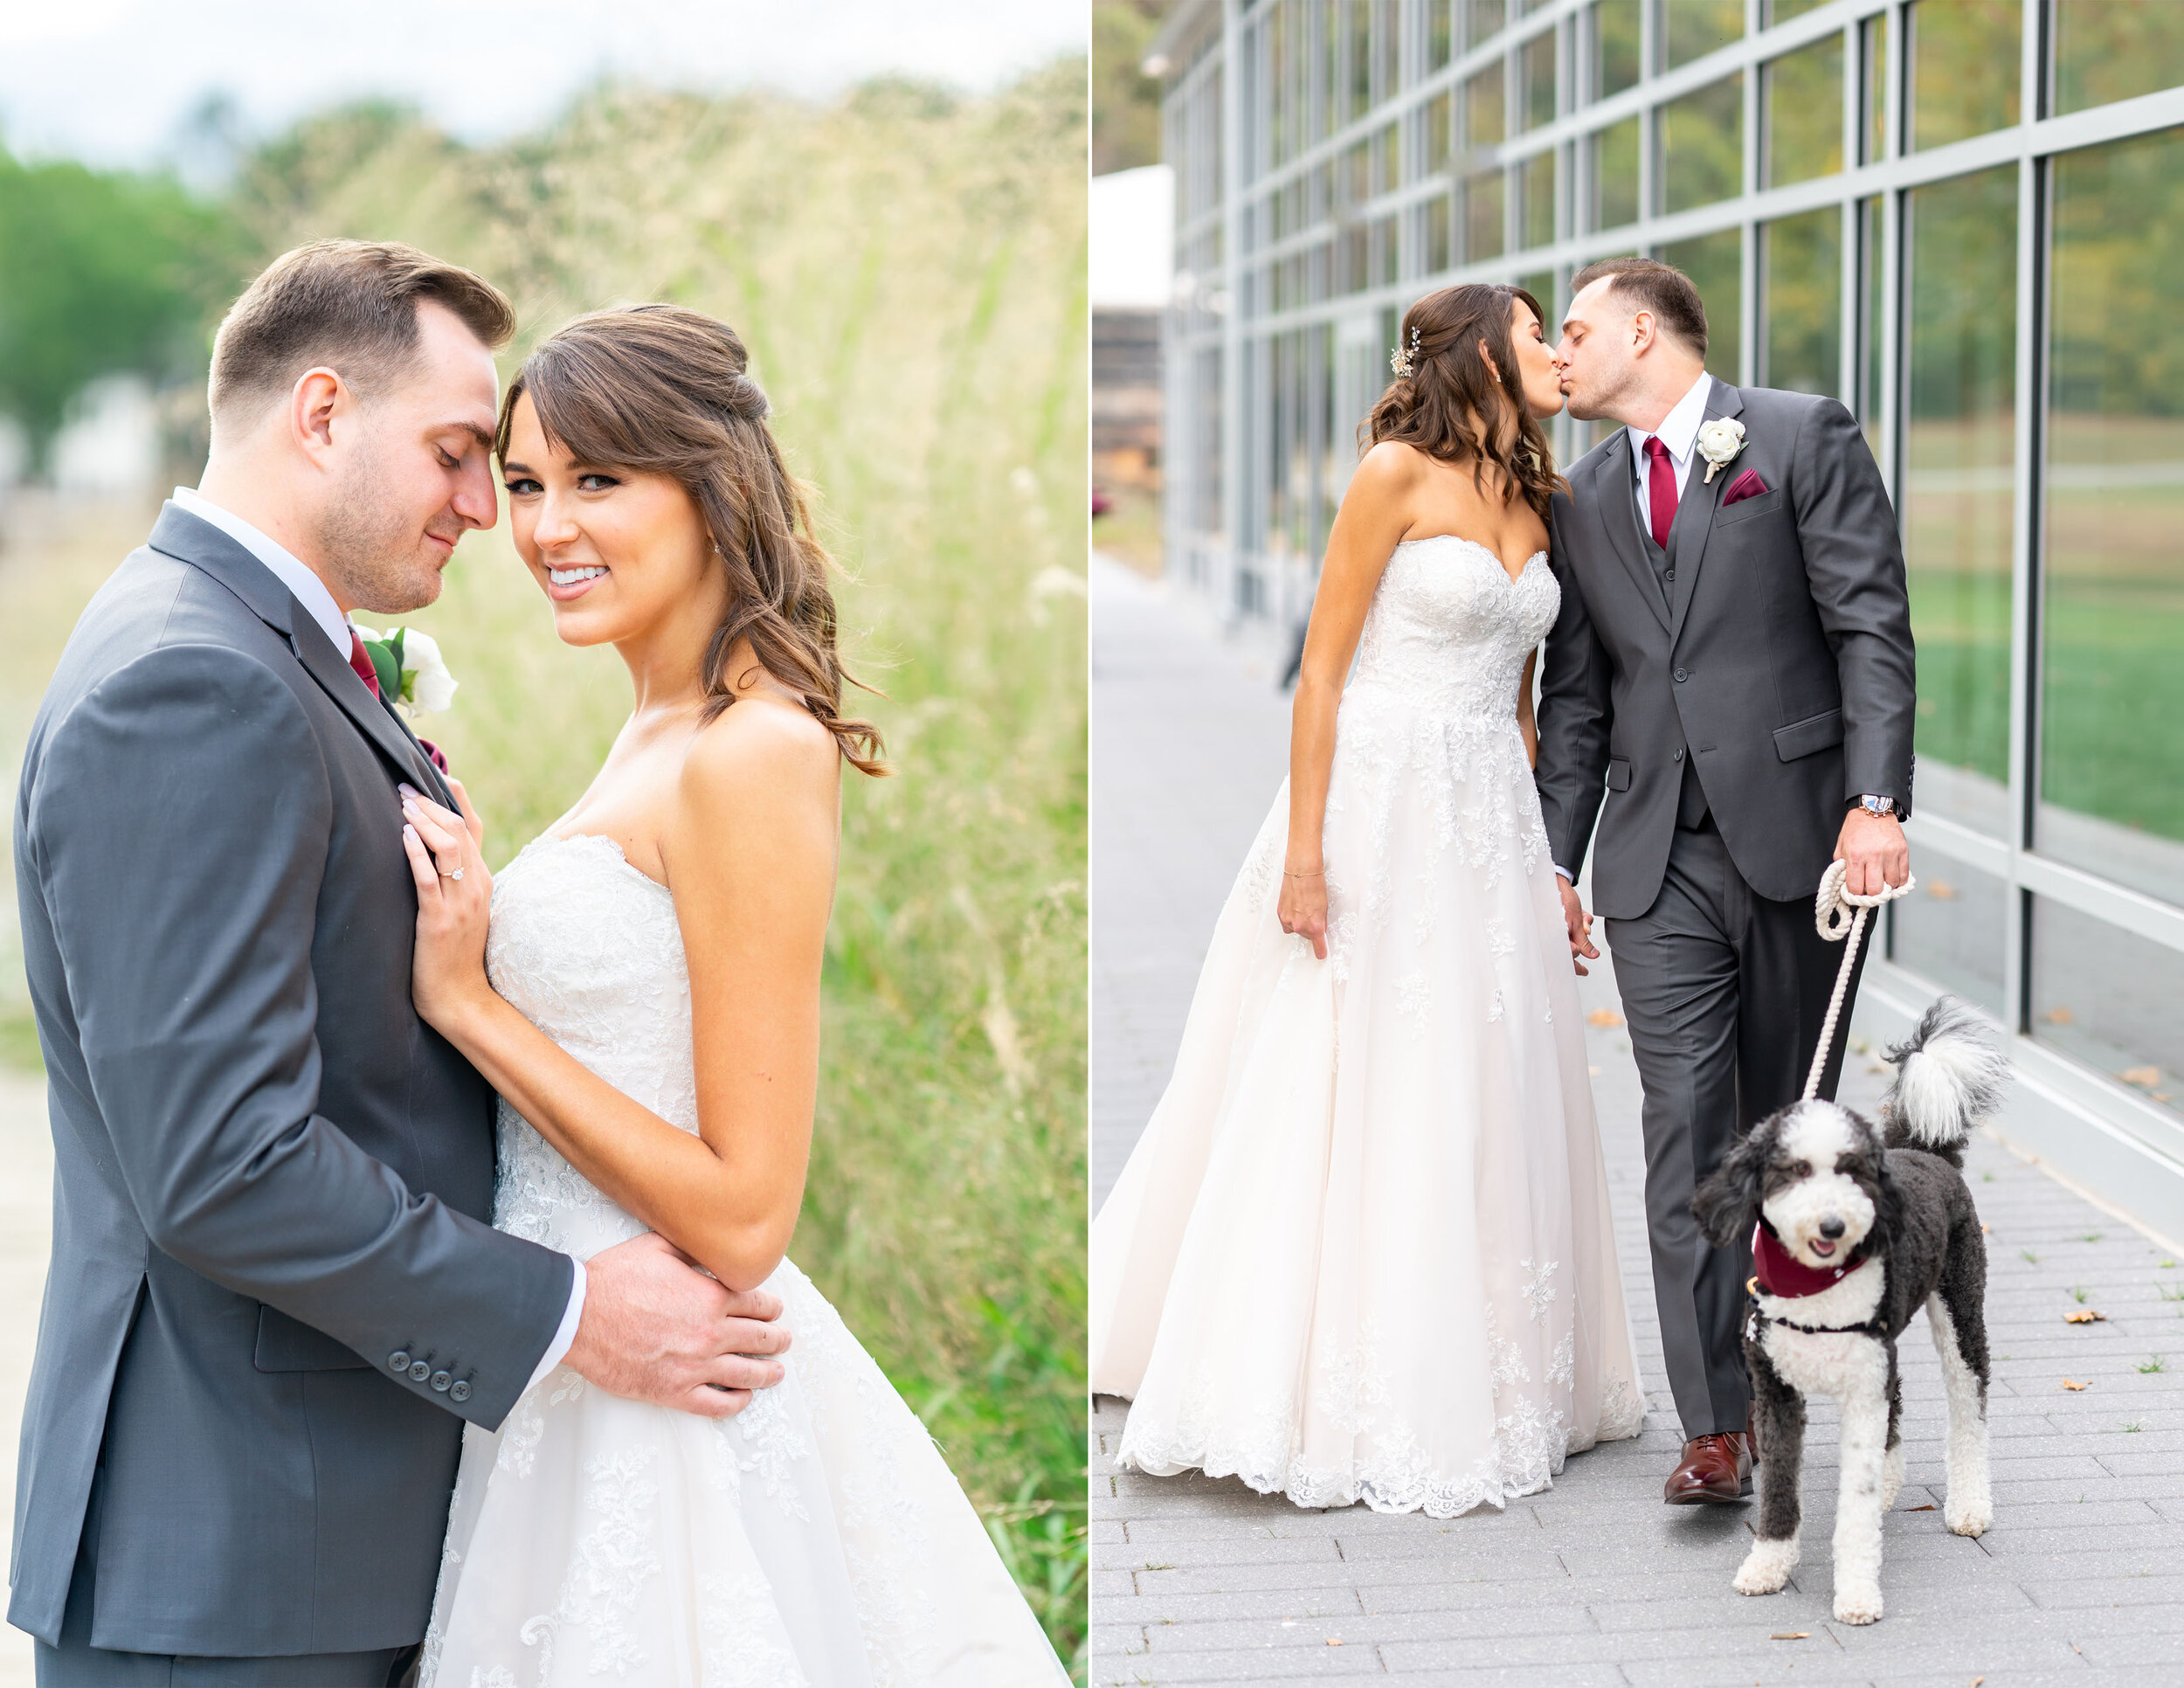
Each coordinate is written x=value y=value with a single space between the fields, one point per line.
x=1964 y=218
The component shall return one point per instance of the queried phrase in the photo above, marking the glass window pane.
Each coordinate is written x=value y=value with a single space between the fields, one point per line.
x=1801 y=113
x=1540 y=284
x=1390 y=157
x=1535 y=70
x=1537 y=204
x=2108 y=997
x=1483 y=102
x=1614 y=47
x=1439 y=253
x=2109 y=50
x=1715 y=263
x=1873 y=89
x=1872 y=402
x=1438 y=25
x=1696 y=27
x=1780 y=12
x=1483 y=18
x=1957 y=489
x=1614 y=164
x=2112 y=740
x=1438 y=137
x=1803 y=309
x=1483 y=216
x=1964 y=69
x=1952 y=928
x=1702 y=145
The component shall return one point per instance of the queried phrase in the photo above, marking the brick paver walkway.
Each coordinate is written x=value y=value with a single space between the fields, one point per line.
x=2080 y=1579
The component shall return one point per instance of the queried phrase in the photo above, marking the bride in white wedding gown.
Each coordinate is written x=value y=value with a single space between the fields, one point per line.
x=646 y=1000
x=1362 y=1251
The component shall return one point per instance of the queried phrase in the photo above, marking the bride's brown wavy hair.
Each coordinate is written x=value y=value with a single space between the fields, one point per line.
x=1453 y=403
x=661 y=390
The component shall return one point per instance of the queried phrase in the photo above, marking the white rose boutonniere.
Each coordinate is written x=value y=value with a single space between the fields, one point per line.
x=410 y=669
x=1718 y=443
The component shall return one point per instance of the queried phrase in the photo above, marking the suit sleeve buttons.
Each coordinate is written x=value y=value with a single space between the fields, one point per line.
x=441 y=1381
x=458 y=1391
x=419 y=1371
x=398 y=1361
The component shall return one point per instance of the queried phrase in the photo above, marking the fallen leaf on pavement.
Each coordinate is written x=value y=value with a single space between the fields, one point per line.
x=2068 y=1384
x=1334 y=1640
x=1604 y=1017
x=1928 y=1507
x=2146 y=1077
x=1792 y=1634
x=2085 y=1315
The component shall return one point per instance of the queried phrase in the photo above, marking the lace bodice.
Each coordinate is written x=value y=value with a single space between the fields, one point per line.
x=587 y=948
x=1448 y=630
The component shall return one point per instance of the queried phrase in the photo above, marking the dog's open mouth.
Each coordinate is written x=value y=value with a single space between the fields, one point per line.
x=1822 y=1247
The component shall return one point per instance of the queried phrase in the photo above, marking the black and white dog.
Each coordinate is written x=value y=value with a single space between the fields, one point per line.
x=1853 y=1228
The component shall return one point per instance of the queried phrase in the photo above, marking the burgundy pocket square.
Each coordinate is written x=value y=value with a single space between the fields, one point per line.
x=1747 y=485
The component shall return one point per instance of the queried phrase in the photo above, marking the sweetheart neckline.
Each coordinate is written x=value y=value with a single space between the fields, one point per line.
x=620 y=854
x=1500 y=567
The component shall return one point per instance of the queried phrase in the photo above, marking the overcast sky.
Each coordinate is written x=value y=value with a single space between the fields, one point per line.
x=115 y=81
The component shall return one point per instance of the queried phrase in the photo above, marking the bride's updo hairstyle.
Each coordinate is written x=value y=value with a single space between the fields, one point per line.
x=660 y=390
x=1452 y=405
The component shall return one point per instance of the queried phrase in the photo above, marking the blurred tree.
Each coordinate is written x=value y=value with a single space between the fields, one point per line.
x=1125 y=101
x=102 y=271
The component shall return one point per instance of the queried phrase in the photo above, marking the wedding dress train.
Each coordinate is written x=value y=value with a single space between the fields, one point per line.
x=1363 y=1249
x=817 y=1537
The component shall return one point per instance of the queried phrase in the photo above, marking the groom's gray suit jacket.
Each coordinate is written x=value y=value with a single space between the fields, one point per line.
x=270 y=1177
x=1780 y=656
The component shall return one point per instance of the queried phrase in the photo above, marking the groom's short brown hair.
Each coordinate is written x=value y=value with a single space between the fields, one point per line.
x=350 y=305
x=1650 y=285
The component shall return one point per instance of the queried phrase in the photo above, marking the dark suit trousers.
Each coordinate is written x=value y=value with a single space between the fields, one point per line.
x=77 y=1663
x=1724 y=991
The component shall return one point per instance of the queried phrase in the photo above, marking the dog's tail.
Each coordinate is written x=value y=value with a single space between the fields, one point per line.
x=1949 y=1076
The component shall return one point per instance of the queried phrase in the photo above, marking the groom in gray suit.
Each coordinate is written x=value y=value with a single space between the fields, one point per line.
x=275 y=1297
x=1732 y=671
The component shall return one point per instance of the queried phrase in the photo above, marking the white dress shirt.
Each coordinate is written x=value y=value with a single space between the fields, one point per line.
x=1679 y=432
x=311 y=591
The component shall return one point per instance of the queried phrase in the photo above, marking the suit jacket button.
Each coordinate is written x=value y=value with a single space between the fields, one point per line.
x=398 y=1361
x=441 y=1381
x=1671 y=576
x=459 y=1390
x=1678 y=756
x=1679 y=676
x=419 y=1371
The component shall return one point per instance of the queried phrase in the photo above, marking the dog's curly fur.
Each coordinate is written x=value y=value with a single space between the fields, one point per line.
x=1887 y=1207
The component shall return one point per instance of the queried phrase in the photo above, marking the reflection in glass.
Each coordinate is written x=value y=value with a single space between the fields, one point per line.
x=1800 y=110
x=1964 y=69
x=1482 y=216
x=1537 y=205
x=1952 y=928
x=1483 y=18
x=2109 y=50
x=1873 y=89
x=1536 y=74
x=1615 y=169
x=1802 y=259
x=1702 y=146
x=1614 y=47
x=2108 y=997
x=1696 y=27
x=1715 y=263
x=2111 y=735
x=1483 y=107
x=1956 y=498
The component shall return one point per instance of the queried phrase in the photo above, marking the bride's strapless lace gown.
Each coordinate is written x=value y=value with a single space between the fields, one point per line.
x=816 y=1539
x=1363 y=1251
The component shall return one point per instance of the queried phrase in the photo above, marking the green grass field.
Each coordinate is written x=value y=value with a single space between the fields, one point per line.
x=909 y=271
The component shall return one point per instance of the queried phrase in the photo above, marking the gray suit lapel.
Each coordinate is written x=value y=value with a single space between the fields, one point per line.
x=180 y=535
x=1614 y=483
x=1695 y=513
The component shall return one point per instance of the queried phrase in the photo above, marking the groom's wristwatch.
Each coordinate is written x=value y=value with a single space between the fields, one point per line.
x=1873 y=805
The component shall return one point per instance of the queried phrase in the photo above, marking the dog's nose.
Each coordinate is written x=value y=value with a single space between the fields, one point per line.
x=1832 y=1228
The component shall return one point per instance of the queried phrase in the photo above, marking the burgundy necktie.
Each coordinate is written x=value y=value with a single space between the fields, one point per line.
x=1661 y=489
x=360 y=659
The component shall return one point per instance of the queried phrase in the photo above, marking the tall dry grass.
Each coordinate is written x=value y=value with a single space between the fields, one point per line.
x=909 y=272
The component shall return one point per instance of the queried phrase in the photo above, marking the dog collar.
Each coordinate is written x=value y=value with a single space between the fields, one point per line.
x=1778 y=1272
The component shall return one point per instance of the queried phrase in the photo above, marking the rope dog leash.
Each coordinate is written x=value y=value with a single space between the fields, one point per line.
x=1836 y=912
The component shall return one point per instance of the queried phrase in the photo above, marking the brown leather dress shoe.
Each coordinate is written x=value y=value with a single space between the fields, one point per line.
x=1714 y=1467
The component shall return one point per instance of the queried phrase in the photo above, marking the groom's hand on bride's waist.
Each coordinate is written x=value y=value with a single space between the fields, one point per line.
x=654 y=1328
